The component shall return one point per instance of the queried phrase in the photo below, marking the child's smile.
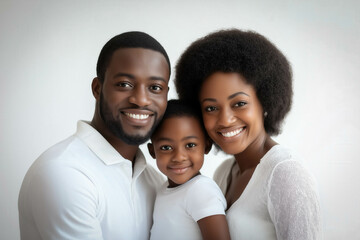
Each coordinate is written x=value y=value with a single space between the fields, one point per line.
x=179 y=147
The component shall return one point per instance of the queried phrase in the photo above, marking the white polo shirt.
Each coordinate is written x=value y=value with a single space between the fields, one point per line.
x=82 y=188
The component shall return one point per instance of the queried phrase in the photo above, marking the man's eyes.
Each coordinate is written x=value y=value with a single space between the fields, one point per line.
x=156 y=88
x=124 y=84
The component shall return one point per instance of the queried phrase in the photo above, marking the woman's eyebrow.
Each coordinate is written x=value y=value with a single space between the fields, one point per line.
x=236 y=94
x=229 y=97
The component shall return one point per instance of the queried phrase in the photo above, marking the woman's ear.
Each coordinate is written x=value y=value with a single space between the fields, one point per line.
x=151 y=150
x=208 y=145
x=96 y=88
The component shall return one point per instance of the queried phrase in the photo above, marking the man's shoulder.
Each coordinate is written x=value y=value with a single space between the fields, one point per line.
x=60 y=150
x=58 y=156
x=153 y=175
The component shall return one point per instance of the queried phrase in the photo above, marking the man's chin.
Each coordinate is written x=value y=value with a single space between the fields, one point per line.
x=134 y=139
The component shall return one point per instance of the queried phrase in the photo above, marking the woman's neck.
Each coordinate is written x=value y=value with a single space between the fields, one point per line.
x=251 y=156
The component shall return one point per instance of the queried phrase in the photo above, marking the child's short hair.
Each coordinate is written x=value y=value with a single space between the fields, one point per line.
x=180 y=108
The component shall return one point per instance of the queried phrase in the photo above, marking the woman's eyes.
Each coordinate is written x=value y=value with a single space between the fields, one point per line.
x=210 y=109
x=213 y=108
x=240 y=104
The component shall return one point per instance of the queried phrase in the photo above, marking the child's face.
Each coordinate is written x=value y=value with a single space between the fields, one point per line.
x=179 y=146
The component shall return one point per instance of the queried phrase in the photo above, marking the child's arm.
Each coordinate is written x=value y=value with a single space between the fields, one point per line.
x=214 y=228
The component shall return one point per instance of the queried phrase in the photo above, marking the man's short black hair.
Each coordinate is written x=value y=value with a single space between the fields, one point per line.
x=127 y=40
x=247 y=53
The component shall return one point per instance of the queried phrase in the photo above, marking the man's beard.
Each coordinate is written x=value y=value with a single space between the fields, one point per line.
x=116 y=128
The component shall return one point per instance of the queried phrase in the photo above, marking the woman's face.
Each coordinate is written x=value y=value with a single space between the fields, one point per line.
x=233 y=115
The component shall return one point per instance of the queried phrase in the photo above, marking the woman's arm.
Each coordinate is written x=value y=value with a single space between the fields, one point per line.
x=293 y=202
x=214 y=228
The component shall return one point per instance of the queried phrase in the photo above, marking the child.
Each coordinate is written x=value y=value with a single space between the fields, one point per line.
x=188 y=206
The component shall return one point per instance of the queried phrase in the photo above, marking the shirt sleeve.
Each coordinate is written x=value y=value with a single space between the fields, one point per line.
x=205 y=199
x=293 y=202
x=64 y=204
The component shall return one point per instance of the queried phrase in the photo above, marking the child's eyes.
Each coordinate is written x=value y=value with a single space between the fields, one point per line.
x=190 y=145
x=166 y=148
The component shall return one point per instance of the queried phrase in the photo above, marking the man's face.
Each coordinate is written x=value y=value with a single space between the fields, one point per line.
x=134 y=93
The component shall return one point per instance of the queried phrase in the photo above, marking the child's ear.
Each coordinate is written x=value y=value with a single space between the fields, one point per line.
x=151 y=149
x=208 y=145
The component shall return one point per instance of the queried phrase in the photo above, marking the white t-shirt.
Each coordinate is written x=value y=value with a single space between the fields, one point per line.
x=82 y=188
x=279 y=202
x=178 y=209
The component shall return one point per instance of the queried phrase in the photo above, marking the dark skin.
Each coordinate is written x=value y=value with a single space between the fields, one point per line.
x=247 y=162
x=234 y=119
x=185 y=147
x=135 y=83
x=214 y=228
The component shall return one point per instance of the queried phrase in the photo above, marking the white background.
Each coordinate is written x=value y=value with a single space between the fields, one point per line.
x=48 y=54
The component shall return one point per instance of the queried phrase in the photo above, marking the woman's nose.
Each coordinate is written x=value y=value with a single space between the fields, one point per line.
x=226 y=117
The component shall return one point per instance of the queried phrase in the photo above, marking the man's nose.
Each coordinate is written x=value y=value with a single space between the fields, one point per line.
x=140 y=96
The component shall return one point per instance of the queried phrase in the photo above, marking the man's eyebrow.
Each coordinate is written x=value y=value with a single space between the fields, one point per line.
x=124 y=75
x=158 y=79
x=154 y=78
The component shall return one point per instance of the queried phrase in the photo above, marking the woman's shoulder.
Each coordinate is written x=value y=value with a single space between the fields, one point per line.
x=221 y=174
x=276 y=155
x=287 y=169
x=225 y=166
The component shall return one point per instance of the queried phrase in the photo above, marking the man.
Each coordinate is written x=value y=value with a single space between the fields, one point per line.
x=96 y=184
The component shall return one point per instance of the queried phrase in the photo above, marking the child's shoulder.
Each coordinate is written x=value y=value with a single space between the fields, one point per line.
x=202 y=183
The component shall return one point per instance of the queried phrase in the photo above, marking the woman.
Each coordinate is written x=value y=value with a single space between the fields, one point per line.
x=243 y=85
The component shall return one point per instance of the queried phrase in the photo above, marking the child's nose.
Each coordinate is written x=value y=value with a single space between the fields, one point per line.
x=179 y=155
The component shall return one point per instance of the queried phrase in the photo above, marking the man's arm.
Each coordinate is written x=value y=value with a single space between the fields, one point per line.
x=62 y=202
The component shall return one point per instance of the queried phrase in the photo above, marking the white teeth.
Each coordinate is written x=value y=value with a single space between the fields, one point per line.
x=138 y=116
x=232 y=133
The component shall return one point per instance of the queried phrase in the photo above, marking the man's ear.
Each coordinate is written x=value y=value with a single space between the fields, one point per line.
x=208 y=145
x=96 y=88
x=151 y=150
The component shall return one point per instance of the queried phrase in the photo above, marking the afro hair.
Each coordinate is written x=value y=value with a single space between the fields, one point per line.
x=247 y=53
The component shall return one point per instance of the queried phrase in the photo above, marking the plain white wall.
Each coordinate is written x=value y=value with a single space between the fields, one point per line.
x=49 y=49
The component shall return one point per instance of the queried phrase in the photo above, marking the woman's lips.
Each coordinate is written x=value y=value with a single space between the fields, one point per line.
x=232 y=133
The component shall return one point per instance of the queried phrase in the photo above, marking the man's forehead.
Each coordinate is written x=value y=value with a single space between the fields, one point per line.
x=141 y=59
